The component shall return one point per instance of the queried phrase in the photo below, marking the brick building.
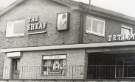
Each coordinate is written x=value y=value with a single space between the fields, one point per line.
x=62 y=39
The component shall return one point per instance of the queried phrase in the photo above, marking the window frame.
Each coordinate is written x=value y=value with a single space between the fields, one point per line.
x=11 y=30
x=126 y=27
x=91 y=26
x=53 y=59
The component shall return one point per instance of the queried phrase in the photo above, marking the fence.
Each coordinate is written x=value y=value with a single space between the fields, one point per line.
x=111 y=72
x=75 y=72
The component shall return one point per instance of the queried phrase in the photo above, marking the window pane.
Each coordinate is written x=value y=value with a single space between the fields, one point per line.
x=15 y=28
x=95 y=26
x=19 y=27
x=98 y=26
x=125 y=31
x=9 y=29
x=88 y=24
x=54 y=65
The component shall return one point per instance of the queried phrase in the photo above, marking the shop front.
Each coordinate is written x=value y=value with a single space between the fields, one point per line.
x=72 y=40
x=111 y=66
x=111 y=63
x=81 y=61
x=45 y=64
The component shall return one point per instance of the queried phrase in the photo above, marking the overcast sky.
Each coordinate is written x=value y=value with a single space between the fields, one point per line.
x=4 y=3
x=124 y=6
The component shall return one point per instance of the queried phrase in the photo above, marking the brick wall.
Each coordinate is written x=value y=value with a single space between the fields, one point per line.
x=31 y=62
x=111 y=27
x=29 y=58
x=47 y=11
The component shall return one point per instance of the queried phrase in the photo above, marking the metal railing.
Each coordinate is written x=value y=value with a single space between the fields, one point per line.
x=76 y=72
x=111 y=72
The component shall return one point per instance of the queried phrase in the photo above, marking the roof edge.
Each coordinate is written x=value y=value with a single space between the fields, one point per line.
x=10 y=7
x=107 y=13
x=18 y=2
x=74 y=46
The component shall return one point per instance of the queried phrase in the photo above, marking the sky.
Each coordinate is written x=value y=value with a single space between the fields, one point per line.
x=5 y=3
x=126 y=7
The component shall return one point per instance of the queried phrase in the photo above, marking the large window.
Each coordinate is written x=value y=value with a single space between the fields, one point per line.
x=15 y=28
x=53 y=65
x=126 y=30
x=95 y=26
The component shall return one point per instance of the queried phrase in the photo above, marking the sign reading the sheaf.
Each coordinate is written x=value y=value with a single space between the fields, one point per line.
x=120 y=37
x=36 y=26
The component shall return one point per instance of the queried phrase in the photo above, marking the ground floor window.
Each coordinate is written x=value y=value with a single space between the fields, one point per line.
x=54 y=65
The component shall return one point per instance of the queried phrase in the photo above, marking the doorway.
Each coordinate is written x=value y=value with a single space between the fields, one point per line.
x=99 y=66
x=15 y=68
x=111 y=65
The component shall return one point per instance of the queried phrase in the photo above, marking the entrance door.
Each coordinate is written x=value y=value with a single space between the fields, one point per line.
x=111 y=65
x=99 y=66
x=15 y=68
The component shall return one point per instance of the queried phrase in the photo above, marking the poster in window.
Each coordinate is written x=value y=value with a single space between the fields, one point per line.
x=62 y=21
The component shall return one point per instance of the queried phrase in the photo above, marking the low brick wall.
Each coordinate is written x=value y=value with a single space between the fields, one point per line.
x=59 y=80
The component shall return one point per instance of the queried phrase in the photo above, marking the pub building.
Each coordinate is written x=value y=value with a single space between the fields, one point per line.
x=65 y=39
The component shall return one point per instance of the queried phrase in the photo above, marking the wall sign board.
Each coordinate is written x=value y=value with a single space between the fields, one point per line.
x=14 y=54
x=55 y=57
x=36 y=26
x=62 y=21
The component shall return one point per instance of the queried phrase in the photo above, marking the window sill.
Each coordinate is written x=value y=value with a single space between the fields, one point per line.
x=12 y=36
x=41 y=32
x=100 y=35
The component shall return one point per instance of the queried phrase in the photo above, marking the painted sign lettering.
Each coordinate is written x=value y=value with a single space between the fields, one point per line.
x=36 y=26
x=121 y=37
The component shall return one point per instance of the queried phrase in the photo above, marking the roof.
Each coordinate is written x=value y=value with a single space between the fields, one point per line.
x=107 y=13
x=84 y=8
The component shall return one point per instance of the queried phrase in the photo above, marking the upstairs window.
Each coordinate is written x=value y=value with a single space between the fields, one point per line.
x=95 y=26
x=126 y=30
x=15 y=28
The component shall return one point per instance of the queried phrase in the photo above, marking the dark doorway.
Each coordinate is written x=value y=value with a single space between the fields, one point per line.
x=15 y=68
x=111 y=66
x=99 y=66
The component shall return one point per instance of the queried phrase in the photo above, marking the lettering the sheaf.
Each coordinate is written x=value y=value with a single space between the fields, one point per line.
x=37 y=26
x=45 y=25
x=33 y=26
